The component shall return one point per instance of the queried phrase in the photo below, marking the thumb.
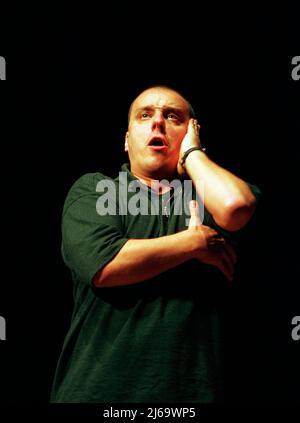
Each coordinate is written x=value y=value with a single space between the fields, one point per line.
x=195 y=214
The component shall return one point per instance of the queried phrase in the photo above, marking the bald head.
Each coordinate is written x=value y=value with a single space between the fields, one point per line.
x=164 y=91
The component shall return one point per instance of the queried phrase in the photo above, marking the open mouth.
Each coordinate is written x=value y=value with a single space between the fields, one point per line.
x=157 y=143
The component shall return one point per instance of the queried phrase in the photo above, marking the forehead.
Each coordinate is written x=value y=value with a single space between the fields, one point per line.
x=160 y=97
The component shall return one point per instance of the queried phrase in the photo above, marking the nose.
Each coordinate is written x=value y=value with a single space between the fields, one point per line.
x=158 y=121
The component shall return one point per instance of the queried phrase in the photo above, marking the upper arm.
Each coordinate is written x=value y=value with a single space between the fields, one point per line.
x=89 y=240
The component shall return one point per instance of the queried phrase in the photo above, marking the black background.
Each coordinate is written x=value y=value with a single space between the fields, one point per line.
x=72 y=73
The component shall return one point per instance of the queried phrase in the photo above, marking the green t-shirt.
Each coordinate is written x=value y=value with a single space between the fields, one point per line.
x=154 y=341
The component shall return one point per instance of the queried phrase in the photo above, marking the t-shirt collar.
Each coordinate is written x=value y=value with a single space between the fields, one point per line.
x=126 y=168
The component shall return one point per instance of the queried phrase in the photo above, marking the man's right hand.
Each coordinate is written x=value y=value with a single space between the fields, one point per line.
x=210 y=247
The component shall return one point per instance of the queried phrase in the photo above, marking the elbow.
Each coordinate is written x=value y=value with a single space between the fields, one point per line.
x=109 y=277
x=97 y=280
x=237 y=214
x=101 y=279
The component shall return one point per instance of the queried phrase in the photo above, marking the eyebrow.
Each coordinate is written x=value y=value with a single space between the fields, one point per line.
x=175 y=110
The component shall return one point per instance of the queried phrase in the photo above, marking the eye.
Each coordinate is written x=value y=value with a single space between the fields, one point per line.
x=144 y=115
x=172 y=116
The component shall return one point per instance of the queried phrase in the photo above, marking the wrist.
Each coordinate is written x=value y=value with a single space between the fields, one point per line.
x=188 y=153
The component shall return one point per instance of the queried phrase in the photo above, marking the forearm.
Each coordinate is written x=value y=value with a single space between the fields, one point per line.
x=227 y=197
x=141 y=259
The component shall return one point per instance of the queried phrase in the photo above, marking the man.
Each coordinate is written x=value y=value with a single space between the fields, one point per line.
x=147 y=284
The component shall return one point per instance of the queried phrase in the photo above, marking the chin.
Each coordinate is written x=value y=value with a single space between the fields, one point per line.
x=161 y=172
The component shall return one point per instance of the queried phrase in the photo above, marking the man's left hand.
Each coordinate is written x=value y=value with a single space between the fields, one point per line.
x=190 y=140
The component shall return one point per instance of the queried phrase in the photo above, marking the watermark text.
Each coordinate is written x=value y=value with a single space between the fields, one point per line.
x=296 y=329
x=2 y=69
x=296 y=69
x=2 y=329
x=135 y=198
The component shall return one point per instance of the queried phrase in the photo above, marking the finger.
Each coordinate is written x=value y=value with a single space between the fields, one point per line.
x=190 y=125
x=219 y=244
x=225 y=263
x=228 y=262
x=193 y=126
x=216 y=243
x=195 y=214
x=222 y=266
x=231 y=252
x=196 y=126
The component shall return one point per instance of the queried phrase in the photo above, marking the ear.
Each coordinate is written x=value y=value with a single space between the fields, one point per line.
x=126 y=142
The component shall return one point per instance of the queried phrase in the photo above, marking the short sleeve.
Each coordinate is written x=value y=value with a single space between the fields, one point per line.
x=89 y=240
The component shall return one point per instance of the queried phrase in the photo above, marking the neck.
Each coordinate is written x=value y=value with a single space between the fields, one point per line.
x=160 y=187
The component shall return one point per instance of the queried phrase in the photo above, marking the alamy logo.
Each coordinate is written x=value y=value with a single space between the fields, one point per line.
x=2 y=69
x=296 y=69
x=2 y=329
x=131 y=199
x=296 y=330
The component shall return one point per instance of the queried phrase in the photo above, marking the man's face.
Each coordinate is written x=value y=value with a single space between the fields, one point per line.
x=158 y=122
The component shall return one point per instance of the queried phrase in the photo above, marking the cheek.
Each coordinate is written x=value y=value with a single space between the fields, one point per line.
x=137 y=138
x=141 y=131
x=177 y=139
x=135 y=144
